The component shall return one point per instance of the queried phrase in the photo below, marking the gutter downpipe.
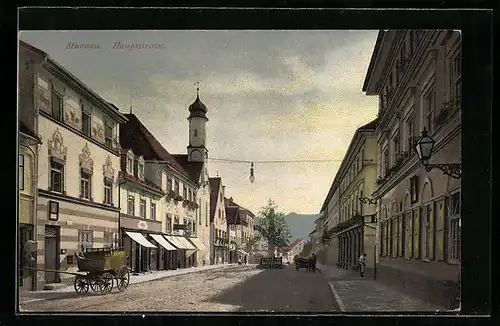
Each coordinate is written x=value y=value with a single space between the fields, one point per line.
x=120 y=244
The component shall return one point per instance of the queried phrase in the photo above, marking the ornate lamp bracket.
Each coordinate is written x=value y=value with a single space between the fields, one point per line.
x=454 y=170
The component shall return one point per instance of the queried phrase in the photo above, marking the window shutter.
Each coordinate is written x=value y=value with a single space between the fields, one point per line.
x=431 y=231
x=416 y=233
x=440 y=230
x=409 y=234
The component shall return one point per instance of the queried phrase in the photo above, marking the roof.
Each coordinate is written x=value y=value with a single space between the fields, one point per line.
x=295 y=243
x=232 y=214
x=72 y=81
x=373 y=60
x=372 y=125
x=194 y=169
x=134 y=135
x=198 y=109
x=230 y=202
x=214 y=195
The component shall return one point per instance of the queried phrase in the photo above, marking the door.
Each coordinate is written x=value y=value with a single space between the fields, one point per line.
x=25 y=234
x=52 y=253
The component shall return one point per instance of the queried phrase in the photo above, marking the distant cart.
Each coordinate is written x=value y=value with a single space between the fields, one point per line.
x=98 y=270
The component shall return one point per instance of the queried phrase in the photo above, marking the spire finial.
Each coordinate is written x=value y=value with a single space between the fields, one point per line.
x=197 y=84
x=130 y=104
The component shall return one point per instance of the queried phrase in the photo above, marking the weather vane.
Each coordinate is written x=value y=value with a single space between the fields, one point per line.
x=197 y=84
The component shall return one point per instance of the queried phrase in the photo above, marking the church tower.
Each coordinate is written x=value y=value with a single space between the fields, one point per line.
x=197 y=152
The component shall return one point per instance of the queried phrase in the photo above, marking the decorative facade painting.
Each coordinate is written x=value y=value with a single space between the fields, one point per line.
x=86 y=162
x=72 y=112
x=98 y=131
x=108 y=171
x=56 y=146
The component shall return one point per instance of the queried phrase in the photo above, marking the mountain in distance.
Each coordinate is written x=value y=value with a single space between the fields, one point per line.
x=300 y=225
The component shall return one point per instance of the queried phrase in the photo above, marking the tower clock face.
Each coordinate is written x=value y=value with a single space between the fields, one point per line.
x=196 y=155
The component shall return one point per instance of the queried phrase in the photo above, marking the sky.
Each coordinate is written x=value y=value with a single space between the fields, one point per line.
x=271 y=95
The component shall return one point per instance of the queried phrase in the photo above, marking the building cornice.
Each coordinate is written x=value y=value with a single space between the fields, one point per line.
x=60 y=72
x=74 y=200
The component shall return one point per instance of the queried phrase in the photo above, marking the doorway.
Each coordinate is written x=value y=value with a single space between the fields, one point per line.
x=25 y=234
x=52 y=234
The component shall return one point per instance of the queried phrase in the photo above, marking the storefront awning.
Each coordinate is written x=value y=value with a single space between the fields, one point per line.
x=186 y=242
x=243 y=252
x=198 y=243
x=140 y=239
x=164 y=243
x=175 y=241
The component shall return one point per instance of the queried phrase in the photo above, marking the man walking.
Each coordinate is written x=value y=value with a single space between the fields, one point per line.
x=246 y=259
x=312 y=263
x=362 y=264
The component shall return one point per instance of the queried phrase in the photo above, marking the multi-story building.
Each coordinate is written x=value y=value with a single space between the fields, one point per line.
x=349 y=221
x=165 y=187
x=239 y=220
x=417 y=76
x=317 y=245
x=77 y=164
x=219 y=236
x=295 y=248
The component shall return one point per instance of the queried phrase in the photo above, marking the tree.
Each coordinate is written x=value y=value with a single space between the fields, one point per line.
x=273 y=227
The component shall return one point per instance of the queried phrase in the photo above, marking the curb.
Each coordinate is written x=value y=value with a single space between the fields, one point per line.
x=338 y=299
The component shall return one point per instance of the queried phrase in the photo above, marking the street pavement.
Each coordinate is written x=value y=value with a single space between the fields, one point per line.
x=233 y=288
x=356 y=294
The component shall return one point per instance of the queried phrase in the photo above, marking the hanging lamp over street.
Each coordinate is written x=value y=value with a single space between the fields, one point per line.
x=252 y=176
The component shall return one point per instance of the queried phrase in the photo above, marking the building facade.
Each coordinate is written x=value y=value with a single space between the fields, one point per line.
x=173 y=192
x=240 y=221
x=219 y=236
x=417 y=76
x=77 y=185
x=354 y=231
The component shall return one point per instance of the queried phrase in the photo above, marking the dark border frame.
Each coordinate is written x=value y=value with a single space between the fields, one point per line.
x=477 y=31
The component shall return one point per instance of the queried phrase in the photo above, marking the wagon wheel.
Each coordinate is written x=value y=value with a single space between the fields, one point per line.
x=81 y=284
x=94 y=283
x=122 y=278
x=106 y=283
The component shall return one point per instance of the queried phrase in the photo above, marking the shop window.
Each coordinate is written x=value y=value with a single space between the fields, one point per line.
x=85 y=240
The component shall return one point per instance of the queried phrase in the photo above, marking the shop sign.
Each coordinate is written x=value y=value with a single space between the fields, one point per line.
x=142 y=225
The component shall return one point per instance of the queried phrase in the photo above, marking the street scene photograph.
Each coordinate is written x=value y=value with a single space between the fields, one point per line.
x=239 y=171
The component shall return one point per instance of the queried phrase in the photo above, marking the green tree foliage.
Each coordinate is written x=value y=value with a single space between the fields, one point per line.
x=273 y=227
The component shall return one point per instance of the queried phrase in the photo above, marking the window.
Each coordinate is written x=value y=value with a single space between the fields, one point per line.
x=86 y=120
x=184 y=192
x=199 y=212
x=85 y=240
x=396 y=146
x=176 y=187
x=108 y=135
x=456 y=80
x=176 y=220
x=429 y=103
x=196 y=132
x=410 y=125
x=169 y=183
x=85 y=184
x=130 y=165
x=142 y=208
x=453 y=212
x=108 y=192
x=194 y=228
x=21 y=172
x=169 y=223
x=153 y=211
x=108 y=239
x=131 y=205
x=140 y=170
x=386 y=161
x=414 y=189
x=57 y=105
x=56 y=177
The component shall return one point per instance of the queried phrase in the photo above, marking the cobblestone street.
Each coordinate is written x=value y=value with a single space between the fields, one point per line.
x=238 y=288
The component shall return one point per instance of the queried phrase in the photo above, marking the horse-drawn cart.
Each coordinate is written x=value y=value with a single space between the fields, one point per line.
x=102 y=268
x=98 y=270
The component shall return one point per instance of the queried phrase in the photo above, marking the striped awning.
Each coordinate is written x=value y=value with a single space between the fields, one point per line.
x=198 y=243
x=140 y=239
x=243 y=252
x=187 y=244
x=161 y=240
x=176 y=242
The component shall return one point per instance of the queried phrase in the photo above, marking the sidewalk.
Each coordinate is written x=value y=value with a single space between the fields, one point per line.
x=31 y=296
x=354 y=293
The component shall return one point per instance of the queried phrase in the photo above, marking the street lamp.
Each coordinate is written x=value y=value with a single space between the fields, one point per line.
x=369 y=201
x=424 y=146
x=252 y=176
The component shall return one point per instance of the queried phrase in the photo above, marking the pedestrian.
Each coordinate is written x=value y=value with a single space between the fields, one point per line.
x=362 y=264
x=312 y=263
x=246 y=259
